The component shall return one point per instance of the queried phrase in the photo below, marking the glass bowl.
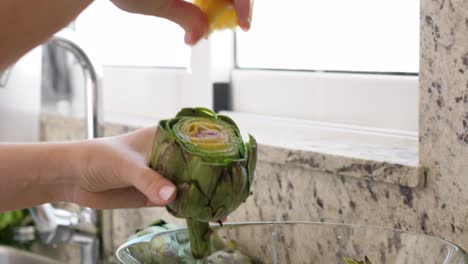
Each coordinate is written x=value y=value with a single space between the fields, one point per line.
x=302 y=242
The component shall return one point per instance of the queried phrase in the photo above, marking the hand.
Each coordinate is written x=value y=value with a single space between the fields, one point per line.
x=113 y=173
x=244 y=13
x=185 y=14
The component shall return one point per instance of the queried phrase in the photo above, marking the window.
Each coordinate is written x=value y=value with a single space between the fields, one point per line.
x=144 y=63
x=333 y=35
x=124 y=39
x=338 y=61
x=144 y=58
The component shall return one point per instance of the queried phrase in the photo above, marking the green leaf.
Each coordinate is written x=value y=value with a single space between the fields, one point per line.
x=252 y=159
x=206 y=174
x=366 y=260
x=162 y=138
x=169 y=161
x=11 y=218
x=196 y=112
x=228 y=120
x=240 y=183
x=191 y=203
x=352 y=261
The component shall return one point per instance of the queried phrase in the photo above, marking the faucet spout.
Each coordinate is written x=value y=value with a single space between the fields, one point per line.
x=93 y=76
x=56 y=225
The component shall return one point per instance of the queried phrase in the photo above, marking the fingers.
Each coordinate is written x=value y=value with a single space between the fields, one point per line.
x=188 y=16
x=141 y=141
x=133 y=170
x=244 y=13
x=117 y=198
x=157 y=189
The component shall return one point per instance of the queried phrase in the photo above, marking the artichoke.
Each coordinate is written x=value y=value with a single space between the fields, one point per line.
x=142 y=251
x=204 y=155
x=173 y=247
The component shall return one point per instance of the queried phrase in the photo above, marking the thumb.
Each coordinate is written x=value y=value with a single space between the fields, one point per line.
x=159 y=190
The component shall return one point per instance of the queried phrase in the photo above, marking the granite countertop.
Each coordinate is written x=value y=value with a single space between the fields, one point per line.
x=343 y=151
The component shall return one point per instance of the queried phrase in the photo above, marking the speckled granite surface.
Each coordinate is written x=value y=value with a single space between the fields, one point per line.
x=375 y=170
x=292 y=185
x=349 y=160
x=442 y=206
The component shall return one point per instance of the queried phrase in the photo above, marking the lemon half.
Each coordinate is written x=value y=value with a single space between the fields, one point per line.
x=221 y=14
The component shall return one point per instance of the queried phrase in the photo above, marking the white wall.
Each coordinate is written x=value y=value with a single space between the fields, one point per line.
x=20 y=100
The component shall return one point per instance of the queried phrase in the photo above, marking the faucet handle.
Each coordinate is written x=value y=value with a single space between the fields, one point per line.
x=84 y=219
x=87 y=216
x=66 y=218
x=93 y=73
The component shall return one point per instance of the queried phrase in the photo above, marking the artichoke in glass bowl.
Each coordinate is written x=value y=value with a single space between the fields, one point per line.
x=169 y=244
x=204 y=155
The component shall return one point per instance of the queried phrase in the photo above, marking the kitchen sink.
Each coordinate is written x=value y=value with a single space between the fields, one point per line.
x=10 y=255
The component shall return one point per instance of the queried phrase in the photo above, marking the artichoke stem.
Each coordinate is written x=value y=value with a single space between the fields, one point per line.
x=199 y=233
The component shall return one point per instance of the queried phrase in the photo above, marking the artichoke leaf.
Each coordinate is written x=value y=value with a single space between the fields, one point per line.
x=211 y=172
x=196 y=112
x=161 y=140
x=229 y=120
x=252 y=159
x=353 y=261
x=190 y=203
x=170 y=161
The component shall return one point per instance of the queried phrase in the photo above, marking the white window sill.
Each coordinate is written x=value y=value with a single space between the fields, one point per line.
x=350 y=141
x=383 y=155
x=366 y=153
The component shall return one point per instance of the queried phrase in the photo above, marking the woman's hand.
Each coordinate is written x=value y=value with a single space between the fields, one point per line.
x=244 y=13
x=187 y=15
x=113 y=173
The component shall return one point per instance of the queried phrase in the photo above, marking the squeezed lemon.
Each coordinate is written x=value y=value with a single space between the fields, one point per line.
x=221 y=14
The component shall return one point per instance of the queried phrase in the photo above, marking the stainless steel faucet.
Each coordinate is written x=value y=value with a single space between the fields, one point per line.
x=56 y=225
x=93 y=75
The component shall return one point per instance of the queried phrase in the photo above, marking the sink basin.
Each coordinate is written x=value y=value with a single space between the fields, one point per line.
x=300 y=242
x=10 y=255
